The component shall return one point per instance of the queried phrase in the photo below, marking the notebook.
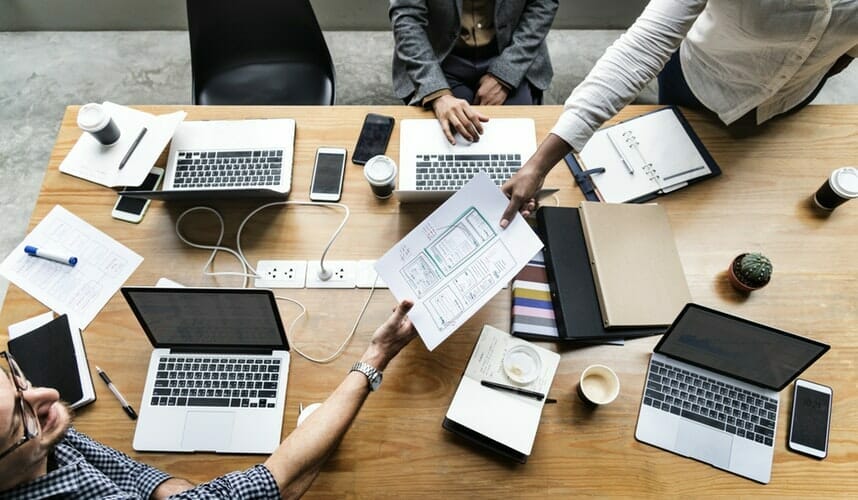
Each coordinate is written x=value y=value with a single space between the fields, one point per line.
x=641 y=158
x=217 y=375
x=51 y=354
x=501 y=421
x=635 y=264
x=431 y=169
x=712 y=389
x=228 y=159
x=570 y=278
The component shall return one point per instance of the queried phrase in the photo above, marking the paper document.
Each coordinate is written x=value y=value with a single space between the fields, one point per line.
x=80 y=291
x=90 y=160
x=457 y=259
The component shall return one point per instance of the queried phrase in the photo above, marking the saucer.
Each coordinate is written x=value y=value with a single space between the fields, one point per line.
x=522 y=364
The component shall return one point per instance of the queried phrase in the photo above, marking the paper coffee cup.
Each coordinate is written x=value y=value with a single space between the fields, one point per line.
x=840 y=187
x=93 y=118
x=380 y=172
x=599 y=385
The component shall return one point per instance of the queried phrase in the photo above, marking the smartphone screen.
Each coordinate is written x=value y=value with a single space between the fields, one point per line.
x=810 y=419
x=136 y=206
x=328 y=175
x=373 y=139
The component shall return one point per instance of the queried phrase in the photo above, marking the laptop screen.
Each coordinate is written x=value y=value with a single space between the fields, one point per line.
x=738 y=348
x=208 y=317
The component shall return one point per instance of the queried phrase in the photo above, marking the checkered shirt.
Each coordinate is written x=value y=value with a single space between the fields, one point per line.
x=89 y=469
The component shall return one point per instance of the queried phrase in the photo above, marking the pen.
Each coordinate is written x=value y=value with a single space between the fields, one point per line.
x=125 y=406
x=49 y=255
x=132 y=148
x=518 y=390
x=623 y=158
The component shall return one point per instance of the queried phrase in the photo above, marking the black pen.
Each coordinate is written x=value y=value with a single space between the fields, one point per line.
x=132 y=148
x=518 y=390
x=125 y=406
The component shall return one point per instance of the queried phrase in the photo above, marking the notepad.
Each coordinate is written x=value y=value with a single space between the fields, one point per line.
x=51 y=354
x=646 y=156
x=636 y=267
x=502 y=421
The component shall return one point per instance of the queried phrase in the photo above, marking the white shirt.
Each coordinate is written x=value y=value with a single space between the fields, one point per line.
x=736 y=55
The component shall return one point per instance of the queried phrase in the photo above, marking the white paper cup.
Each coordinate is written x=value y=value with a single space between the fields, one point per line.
x=840 y=187
x=93 y=118
x=599 y=385
x=380 y=172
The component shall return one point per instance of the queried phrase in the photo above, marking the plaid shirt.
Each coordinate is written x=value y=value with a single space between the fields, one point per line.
x=89 y=469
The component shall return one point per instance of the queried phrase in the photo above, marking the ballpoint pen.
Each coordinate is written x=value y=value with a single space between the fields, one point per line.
x=132 y=148
x=518 y=390
x=125 y=406
x=50 y=255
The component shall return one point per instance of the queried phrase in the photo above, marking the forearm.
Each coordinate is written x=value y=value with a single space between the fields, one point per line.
x=298 y=460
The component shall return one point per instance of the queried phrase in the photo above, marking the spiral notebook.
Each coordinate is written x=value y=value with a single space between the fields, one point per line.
x=641 y=158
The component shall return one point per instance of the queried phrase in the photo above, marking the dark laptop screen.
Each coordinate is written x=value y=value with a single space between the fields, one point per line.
x=739 y=348
x=206 y=317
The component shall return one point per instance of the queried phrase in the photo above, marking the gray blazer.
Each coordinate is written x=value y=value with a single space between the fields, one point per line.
x=425 y=32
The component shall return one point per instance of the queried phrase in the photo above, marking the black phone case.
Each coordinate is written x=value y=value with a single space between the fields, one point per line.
x=362 y=154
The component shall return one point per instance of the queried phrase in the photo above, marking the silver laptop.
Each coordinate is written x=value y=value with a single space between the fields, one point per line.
x=712 y=390
x=431 y=169
x=217 y=376
x=228 y=159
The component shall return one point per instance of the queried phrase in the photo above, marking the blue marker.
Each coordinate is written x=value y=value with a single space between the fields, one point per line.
x=47 y=254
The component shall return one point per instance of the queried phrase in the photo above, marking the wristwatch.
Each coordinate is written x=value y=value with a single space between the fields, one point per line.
x=372 y=375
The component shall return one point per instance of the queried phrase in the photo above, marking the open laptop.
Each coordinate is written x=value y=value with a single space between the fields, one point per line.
x=228 y=159
x=217 y=376
x=712 y=389
x=431 y=169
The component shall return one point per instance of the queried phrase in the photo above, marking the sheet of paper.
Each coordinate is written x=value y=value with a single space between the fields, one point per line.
x=80 y=291
x=28 y=325
x=457 y=259
x=90 y=160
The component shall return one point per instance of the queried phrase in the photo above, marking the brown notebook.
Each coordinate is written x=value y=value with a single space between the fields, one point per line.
x=639 y=278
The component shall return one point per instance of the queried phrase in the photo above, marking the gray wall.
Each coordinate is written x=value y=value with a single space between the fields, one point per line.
x=62 y=15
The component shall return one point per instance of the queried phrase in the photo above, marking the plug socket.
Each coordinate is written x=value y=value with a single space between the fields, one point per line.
x=342 y=274
x=280 y=274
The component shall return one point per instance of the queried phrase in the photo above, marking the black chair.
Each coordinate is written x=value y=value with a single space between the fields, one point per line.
x=258 y=52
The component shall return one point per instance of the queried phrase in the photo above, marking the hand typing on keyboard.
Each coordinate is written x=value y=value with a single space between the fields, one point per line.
x=456 y=115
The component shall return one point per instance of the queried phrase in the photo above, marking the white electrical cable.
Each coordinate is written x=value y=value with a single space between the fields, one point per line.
x=239 y=254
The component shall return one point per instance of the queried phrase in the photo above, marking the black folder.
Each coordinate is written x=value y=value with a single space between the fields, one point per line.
x=570 y=278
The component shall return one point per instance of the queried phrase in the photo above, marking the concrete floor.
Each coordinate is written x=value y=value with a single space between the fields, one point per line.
x=43 y=72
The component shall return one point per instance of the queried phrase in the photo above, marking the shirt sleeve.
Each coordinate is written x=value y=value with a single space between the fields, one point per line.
x=410 y=19
x=129 y=474
x=626 y=67
x=533 y=26
x=255 y=482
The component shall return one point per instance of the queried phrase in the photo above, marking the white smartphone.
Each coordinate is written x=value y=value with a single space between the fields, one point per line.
x=810 y=419
x=328 y=172
x=133 y=209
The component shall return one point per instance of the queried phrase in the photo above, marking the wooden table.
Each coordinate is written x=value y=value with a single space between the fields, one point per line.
x=397 y=447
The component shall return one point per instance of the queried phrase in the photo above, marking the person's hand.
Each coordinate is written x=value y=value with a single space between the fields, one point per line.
x=456 y=115
x=490 y=92
x=390 y=337
x=521 y=190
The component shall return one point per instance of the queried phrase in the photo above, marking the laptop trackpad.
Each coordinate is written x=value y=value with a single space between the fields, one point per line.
x=704 y=443
x=208 y=430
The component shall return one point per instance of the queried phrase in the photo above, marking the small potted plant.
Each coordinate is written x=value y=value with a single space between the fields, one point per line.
x=750 y=271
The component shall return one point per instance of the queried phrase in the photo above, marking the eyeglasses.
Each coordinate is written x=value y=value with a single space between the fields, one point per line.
x=28 y=415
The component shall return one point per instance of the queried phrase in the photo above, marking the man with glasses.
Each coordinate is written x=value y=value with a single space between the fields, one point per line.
x=42 y=456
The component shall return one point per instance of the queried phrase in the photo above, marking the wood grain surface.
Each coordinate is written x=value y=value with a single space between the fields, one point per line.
x=397 y=447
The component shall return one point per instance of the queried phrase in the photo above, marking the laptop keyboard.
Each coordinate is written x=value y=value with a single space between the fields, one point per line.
x=711 y=402
x=229 y=381
x=206 y=169
x=451 y=172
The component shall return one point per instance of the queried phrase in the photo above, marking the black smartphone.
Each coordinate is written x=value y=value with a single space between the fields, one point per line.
x=810 y=418
x=373 y=139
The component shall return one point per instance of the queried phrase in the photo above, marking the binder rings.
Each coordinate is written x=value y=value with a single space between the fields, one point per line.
x=573 y=289
x=641 y=158
x=636 y=267
x=501 y=421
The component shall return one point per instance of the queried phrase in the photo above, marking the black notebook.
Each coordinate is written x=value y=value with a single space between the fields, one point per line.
x=53 y=355
x=636 y=160
x=570 y=278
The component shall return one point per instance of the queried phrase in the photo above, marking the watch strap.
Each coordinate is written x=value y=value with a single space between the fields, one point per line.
x=373 y=375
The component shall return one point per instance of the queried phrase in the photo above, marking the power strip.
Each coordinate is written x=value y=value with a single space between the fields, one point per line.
x=303 y=273
x=281 y=274
x=343 y=274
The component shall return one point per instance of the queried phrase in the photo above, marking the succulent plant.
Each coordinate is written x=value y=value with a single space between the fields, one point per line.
x=753 y=269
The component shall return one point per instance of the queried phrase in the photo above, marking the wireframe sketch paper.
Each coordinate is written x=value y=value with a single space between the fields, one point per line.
x=80 y=291
x=90 y=160
x=457 y=259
